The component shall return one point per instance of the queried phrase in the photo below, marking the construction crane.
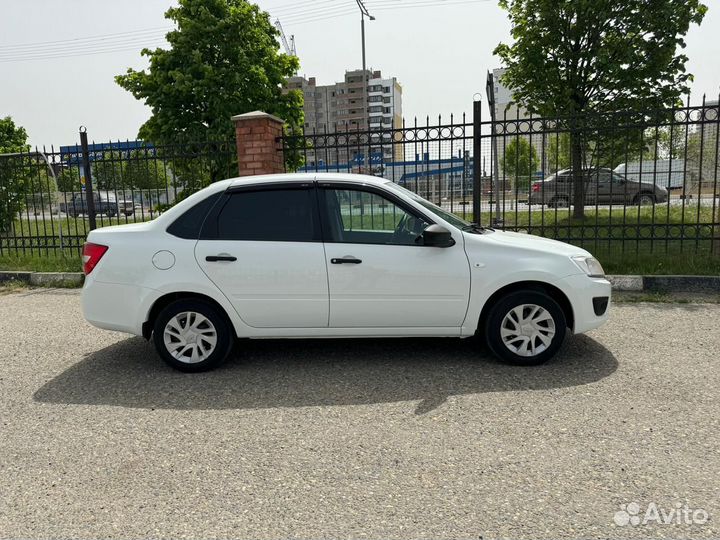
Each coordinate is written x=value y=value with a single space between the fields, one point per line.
x=289 y=46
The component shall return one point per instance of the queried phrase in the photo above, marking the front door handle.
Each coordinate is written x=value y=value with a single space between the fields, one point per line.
x=222 y=257
x=348 y=259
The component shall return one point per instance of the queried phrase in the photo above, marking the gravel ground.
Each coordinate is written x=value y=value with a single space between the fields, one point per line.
x=357 y=439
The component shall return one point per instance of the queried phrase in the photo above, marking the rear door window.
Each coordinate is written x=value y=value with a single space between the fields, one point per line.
x=273 y=215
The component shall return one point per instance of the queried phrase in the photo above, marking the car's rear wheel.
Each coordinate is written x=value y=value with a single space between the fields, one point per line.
x=525 y=328
x=191 y=335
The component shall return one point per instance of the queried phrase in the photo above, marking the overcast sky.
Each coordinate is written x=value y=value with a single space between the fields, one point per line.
x=440 y=53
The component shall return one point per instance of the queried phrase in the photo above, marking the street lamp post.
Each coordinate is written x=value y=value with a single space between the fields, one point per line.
x=364 y=12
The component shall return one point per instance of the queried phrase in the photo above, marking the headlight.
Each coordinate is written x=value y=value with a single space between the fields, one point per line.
x=590 y=265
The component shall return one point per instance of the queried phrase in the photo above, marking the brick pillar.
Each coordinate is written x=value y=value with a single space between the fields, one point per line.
x=258 y=150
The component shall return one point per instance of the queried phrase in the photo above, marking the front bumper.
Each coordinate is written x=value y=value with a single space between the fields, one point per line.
x=587 y=295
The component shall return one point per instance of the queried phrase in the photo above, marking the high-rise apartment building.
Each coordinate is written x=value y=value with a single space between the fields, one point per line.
x=348 y=107
x=506 y=109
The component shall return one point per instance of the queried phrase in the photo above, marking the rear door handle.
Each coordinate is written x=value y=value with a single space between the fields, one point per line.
x=216 y=258
x=346 y=260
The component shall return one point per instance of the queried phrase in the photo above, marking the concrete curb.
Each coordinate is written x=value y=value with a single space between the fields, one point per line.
x=626 y=283
x=696 y=284
x=45 y=279
x=54 y=279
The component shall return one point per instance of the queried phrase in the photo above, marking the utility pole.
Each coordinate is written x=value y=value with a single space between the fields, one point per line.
x=490 y=88
x=363 y=13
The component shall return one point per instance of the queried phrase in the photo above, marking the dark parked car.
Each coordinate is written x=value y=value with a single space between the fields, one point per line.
x=105 y=203
x=602 y=186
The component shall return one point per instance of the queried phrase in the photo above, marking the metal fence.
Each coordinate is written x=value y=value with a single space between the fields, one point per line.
x=648 y=181
x=48 y=204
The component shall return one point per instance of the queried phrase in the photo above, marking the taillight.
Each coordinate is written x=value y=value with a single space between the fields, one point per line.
x=92 y=253
x=536 y=186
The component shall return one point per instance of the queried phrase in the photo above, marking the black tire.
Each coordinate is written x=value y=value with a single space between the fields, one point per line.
x=644 y=199
x=559 y=202
x=223 y=333
x=503 y=307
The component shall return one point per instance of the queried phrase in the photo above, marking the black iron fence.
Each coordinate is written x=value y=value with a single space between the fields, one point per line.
x=624 y=182
x=48 y=203
x=621 y=183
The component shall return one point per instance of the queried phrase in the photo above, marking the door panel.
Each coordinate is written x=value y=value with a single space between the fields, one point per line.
x=398 y=286
x=272 y=284
x=278 y=278
x=397 y=282
x=602 y=182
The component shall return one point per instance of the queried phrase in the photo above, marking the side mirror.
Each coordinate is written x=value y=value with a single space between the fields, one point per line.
x=437 y=236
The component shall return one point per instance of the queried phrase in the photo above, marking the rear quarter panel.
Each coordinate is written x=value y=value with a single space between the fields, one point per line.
x=129 y=261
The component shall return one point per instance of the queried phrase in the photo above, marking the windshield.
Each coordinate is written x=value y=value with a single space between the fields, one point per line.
x=451 y=218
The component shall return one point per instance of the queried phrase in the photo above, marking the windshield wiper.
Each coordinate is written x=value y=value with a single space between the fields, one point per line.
x=476 y=228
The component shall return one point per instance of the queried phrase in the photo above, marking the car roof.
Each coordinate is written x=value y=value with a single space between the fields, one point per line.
x=308 y=177
x=222 y=185
x=585 y=169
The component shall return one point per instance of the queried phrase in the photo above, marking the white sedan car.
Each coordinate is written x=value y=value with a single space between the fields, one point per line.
x=333 y=255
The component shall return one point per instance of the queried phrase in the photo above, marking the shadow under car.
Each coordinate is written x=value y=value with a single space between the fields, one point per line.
x=319 y=372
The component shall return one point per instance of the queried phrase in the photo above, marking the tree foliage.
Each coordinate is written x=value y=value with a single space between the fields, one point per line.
x=558 y=153
x=144 y=172
x=577 y=59
x=68 y=179
x=14 y=183
x=520 y=160
x=108 y=170
x=223 y=60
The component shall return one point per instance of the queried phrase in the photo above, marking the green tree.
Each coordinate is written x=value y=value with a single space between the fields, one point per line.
x=578 y=58
x=68 y=179
x=223 y=60
x=14 y=172
x=108 y=170
x=558 y=153
x=143 y=171
x=520 y=161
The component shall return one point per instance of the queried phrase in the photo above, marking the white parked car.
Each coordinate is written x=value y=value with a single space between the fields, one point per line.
x=333 y=255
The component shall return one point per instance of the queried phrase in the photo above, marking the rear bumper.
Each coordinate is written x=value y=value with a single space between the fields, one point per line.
x=114 y=306
x=587 y=296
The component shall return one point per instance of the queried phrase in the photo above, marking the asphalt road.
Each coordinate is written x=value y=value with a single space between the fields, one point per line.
x=357 y=439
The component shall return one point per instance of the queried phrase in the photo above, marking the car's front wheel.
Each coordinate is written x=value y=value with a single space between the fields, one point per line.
x=190 y=335
x=525 y=328
x=559 y=201
x=645 y=199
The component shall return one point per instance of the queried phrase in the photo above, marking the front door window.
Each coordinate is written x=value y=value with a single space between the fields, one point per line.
x=362 y=217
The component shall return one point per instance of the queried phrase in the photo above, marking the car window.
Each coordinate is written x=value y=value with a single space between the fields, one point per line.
x=363 y=217
x=447 y=216
x=601 y=176
x=188 y=225
x=274 y=215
